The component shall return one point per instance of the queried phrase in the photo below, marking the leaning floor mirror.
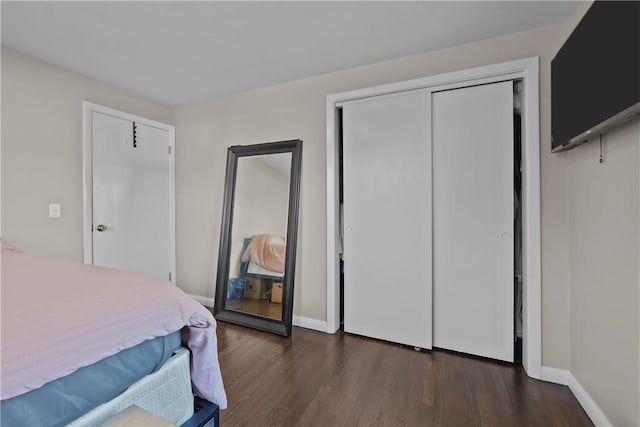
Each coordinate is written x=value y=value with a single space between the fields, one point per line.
x=257 y=257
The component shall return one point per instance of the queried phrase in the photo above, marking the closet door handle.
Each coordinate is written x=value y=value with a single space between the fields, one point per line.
x=505 y=236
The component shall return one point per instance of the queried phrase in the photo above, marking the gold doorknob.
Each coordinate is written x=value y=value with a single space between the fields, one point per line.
x=101 y=227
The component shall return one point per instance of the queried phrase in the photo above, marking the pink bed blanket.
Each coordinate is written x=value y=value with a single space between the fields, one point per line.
x=267 y=251
x=58 y=317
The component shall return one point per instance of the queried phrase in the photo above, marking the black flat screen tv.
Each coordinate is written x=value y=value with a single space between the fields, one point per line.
x=595 y=77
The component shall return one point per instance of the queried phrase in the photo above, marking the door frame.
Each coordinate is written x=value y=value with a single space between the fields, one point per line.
x=88 y=109
x=525 y=69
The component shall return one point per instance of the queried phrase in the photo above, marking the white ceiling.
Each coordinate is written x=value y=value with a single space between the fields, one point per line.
x=179 y=52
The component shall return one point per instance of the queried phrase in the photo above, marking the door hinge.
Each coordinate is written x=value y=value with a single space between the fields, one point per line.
x=169 y=276
x=169 y=150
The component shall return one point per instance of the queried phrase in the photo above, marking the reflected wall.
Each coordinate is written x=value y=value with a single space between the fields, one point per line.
x=257 y=254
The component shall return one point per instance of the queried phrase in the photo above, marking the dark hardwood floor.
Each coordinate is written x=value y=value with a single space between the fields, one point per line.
x=261 y=307
x=317 y=379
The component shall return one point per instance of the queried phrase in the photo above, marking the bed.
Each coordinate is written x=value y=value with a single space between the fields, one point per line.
x=262 y=257
x=265 y=254
x=80 y=342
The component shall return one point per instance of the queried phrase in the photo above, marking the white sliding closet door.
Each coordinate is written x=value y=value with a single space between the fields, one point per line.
x=473 y=209
x=387 y=218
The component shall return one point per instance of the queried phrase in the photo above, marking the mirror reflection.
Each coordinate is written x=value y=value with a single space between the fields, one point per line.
x=259 y=226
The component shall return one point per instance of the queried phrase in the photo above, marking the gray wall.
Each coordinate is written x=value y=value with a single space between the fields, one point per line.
x=297 y=110
x=261 y=202
x=42 y=150
x=603 y=207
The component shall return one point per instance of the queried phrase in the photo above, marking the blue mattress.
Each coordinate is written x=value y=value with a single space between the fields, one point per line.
x=63 y=400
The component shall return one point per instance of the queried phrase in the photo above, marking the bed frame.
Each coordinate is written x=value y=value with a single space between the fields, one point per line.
x=165 y=393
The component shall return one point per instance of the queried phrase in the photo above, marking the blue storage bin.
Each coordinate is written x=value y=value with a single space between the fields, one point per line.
x=235 y=289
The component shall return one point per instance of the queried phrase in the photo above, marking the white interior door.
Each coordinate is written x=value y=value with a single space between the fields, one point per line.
x=473 y=209
x=387 y=218
x=131 y=196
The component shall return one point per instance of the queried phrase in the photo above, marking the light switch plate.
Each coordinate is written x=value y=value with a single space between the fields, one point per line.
x=54 y=210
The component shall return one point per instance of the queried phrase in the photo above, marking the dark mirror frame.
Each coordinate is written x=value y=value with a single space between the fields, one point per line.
x=282 y=327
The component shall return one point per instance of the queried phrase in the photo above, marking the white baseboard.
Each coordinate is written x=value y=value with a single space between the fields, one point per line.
x=554 y=375
x=206 y=301
x=303 y=322
x=592 y=409
x=306 y=322
x=564 y=377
